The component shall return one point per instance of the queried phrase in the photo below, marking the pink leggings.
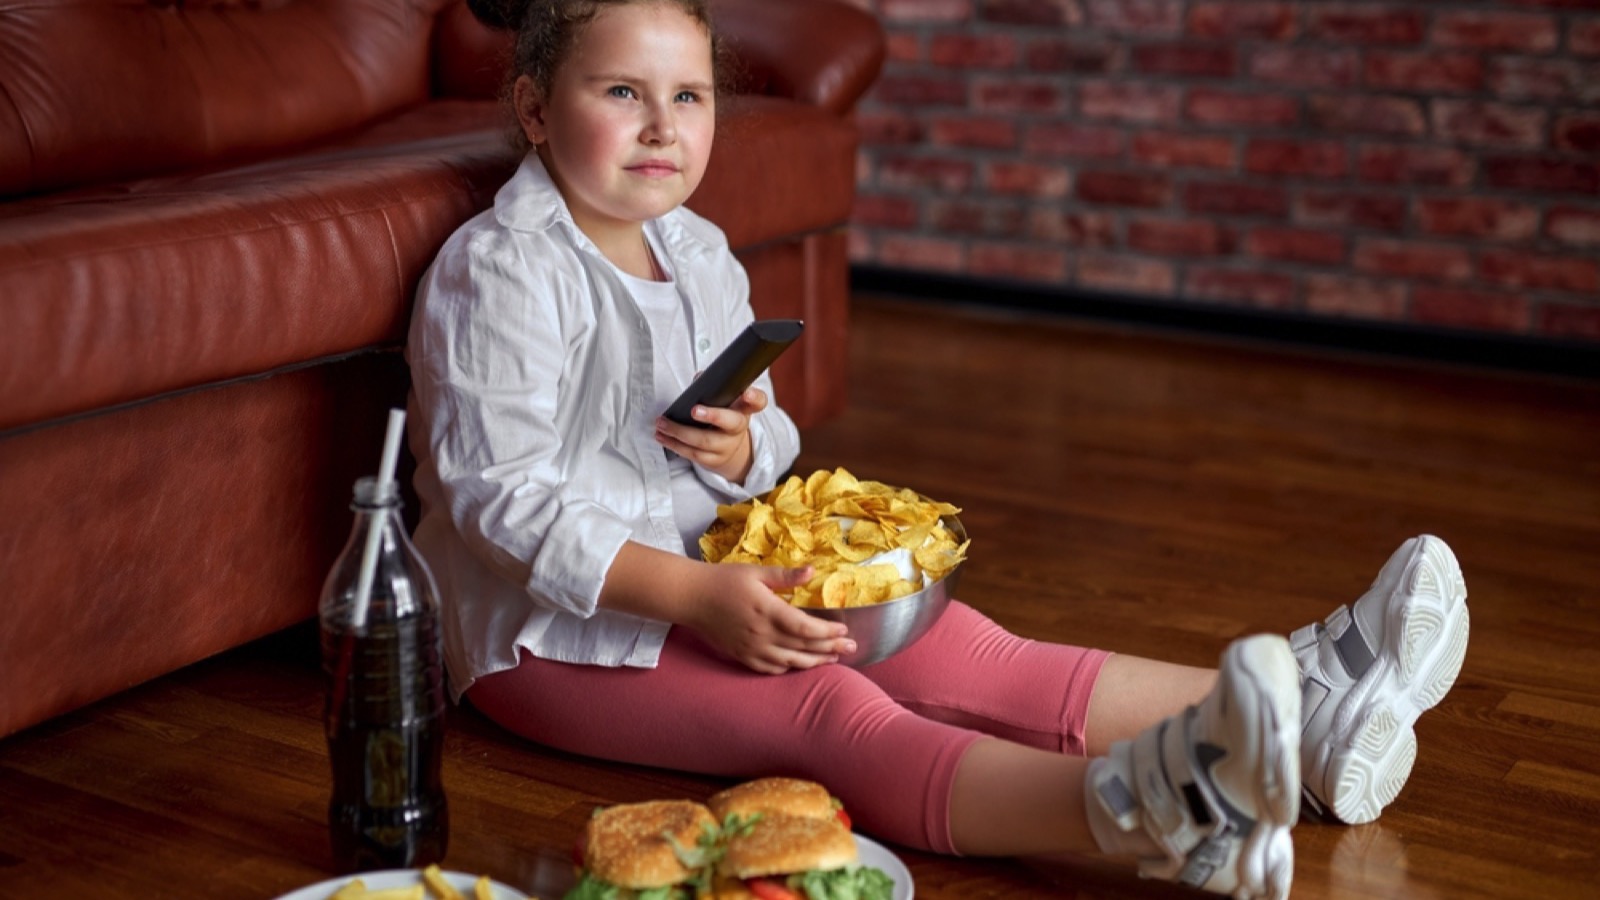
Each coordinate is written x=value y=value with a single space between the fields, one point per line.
x=885 y=739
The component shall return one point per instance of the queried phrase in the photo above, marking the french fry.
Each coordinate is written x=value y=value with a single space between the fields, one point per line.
x=434 y=879
x=434 y=886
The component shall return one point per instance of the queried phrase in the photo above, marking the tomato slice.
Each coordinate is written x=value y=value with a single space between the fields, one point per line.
x=767 y=889
x=843 y=816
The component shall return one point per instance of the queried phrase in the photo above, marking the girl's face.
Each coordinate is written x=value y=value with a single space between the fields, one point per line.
x=626 y=128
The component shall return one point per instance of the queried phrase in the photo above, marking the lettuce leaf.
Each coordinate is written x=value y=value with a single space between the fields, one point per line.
x=849 y=883
x=592 y=888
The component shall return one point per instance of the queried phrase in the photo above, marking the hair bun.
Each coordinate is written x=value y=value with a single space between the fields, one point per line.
x=504 y=15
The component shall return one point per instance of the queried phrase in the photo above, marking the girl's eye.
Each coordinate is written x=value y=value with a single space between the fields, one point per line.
x=622 y=91
x=687 y=97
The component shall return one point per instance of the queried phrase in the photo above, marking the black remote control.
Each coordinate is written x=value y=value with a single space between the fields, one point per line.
x=735 y=368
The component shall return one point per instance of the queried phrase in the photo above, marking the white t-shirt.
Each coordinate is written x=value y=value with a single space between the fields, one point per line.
x=694 y=504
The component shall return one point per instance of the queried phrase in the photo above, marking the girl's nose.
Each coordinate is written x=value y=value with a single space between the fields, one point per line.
x=661 y=127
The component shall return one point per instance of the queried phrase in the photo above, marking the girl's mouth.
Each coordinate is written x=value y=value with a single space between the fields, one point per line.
x=654 y=168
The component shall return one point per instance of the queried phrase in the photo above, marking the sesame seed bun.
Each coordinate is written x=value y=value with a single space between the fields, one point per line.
x=785 y=796
x=627 y=846
x=780 y=845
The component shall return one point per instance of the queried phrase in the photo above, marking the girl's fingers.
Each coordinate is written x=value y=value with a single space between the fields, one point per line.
x=783 y=661
x=810 y=628
x=833 y=642
x=830 y=647
x=764 y=667
x=678 y=438
x=779 y=578
x=752 y=401
x=812 y=660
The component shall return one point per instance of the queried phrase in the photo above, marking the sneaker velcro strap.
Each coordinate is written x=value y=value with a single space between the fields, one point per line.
x=1205 y=859
x=1154 y=762
x=1118 y=800
x=1305 y=638
x=1313 y=692
x=1179 y=799
x=1354 y=652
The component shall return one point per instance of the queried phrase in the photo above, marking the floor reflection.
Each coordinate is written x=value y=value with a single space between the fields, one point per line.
x=1370 y=861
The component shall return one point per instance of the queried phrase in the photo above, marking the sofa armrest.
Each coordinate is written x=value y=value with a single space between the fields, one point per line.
x=823 y=52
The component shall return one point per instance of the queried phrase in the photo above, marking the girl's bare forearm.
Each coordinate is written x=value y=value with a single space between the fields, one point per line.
x=651 y=583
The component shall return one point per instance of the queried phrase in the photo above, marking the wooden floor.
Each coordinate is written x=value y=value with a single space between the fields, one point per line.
x=1152 y=494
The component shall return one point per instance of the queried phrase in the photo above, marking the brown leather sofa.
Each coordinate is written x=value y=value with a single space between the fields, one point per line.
x=213 y=216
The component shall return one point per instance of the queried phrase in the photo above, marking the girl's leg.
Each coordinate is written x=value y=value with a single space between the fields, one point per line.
x=1133 y=693
x=969 y=671
x=898 y=773
x=1197 y=770
x=1205 y=797
x=697 y=712
x=914 y=781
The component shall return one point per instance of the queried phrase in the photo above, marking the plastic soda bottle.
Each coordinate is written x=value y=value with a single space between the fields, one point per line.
x=385 y=694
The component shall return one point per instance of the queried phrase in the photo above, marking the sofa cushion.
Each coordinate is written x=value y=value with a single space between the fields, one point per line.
x=123 y=293
x=99 y=90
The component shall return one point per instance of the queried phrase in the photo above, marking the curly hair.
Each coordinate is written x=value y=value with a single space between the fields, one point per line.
x=546 y=30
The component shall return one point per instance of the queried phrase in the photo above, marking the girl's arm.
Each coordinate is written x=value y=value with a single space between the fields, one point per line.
x=732 y=607
x=488 y=349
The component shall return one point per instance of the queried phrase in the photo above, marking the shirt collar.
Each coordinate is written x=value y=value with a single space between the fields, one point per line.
x=530 y=201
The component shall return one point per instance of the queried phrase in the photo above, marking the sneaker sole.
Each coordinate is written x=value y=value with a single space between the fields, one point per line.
x=1265 y=866
x=1424 y=645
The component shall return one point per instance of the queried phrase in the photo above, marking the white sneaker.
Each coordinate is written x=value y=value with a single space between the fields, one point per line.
x=1216 y=787
x=1369 y=672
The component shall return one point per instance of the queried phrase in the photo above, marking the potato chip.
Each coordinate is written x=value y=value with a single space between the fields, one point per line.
x=867 y=542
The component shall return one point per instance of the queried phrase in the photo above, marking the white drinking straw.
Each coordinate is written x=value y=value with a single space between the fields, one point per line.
x=369 y=558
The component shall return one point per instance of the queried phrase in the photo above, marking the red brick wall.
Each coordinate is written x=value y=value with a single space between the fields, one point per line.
x=1434 y=163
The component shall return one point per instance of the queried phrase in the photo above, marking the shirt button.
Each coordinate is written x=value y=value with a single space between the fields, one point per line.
x=703 y=344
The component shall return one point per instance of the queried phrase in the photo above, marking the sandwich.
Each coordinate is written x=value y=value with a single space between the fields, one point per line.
x=777 y=796
x=787 y=857
x=769 y=839
x=657 y=850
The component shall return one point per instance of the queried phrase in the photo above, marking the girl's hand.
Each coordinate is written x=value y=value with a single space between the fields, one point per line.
x=725 y=447
x=739 y=614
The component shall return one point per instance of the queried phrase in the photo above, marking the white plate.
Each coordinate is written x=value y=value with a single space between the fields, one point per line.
x=393 y=878
x=878 y=856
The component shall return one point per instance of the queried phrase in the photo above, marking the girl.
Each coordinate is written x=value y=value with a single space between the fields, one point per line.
x=560 y=513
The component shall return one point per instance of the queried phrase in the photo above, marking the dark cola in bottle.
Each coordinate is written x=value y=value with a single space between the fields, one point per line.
x=381 y=655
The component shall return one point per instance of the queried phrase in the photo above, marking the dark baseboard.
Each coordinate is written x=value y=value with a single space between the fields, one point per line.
x=1519 y=353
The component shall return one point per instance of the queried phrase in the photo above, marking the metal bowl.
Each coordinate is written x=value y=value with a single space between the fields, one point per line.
x=884 y=629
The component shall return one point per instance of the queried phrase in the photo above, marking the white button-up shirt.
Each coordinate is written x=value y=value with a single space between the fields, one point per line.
x=532 y=413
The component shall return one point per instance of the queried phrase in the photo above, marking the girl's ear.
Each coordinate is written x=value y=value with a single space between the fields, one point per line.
x=529 y=103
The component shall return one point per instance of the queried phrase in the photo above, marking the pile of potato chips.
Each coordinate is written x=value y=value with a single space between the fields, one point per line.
x=848 y=530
